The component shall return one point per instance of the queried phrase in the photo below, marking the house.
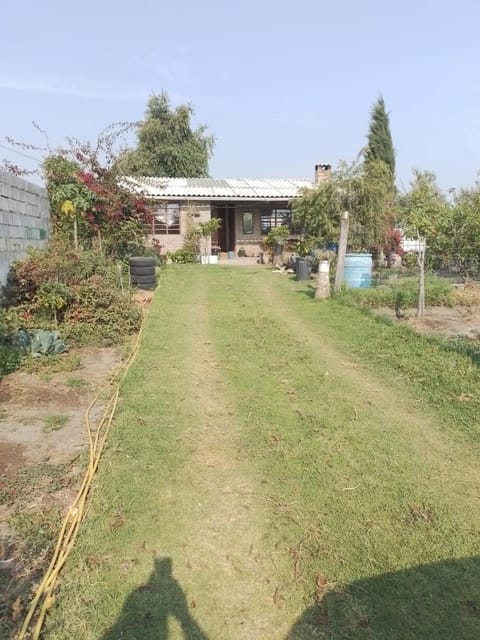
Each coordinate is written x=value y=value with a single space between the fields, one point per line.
x=248 y=209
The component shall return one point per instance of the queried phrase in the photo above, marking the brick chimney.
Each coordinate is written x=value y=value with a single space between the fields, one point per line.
x=323 y=173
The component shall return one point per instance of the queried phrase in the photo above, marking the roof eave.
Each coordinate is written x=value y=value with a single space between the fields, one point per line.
x=223 y=198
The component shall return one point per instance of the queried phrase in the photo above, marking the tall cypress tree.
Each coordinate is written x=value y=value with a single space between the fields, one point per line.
x=379 y=139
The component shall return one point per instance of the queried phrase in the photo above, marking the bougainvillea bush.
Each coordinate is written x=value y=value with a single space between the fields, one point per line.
x=91 y=210
x=76 y=285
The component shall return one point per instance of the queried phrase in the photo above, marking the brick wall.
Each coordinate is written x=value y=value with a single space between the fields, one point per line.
x=24 y=219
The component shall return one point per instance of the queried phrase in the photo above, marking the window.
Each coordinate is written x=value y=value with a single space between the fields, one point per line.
x=247 y=222
x=166 y=219
x=274 y=218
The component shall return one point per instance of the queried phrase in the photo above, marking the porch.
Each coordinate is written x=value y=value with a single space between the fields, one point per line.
x=246 y=224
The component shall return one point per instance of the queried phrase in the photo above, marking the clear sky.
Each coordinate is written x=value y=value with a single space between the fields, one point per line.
x=281 y=84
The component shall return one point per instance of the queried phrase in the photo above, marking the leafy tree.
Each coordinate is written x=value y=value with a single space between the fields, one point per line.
x=167 y=144
x=457 y=243
x=425 y=211
x=364 y=190
x=379 y=139
x=316 y=213
x=70 y=200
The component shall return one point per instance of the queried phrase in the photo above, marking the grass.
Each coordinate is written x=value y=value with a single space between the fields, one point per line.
x=297 y=469
x=402 y=291
x=54 y=422
x=76 y=383
x=47 y=366
x=35 y=513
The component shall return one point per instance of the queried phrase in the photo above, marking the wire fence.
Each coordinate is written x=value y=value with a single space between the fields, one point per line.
x=455 y=271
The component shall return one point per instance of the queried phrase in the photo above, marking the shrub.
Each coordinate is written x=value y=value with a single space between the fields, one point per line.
x=10 y=355
x=58 y=264
x=183 y=256
x=78 y=289
x=101 y=314
x=409 y=260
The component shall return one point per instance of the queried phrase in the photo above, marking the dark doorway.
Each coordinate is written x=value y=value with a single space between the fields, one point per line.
x=225 y=236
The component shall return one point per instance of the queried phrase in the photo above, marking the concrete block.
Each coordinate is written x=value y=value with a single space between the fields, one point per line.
x=5 y=189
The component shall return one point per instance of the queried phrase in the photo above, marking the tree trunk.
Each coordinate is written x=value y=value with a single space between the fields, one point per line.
x=421 y=279
x=342 y=250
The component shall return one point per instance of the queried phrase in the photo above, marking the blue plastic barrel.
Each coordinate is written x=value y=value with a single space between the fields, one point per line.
x=357 y=270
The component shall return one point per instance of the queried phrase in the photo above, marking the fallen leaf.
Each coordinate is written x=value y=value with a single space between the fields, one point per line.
x=16 y=609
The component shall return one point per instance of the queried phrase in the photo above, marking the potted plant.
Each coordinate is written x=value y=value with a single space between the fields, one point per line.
x=275 y=241
x=241 y=252
x=206 y=229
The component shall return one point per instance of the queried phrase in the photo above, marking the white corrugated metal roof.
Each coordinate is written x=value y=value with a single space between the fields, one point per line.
x=211 y=188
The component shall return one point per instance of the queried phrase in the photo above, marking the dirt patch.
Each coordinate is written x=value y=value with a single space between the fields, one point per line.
x=42 y=433
x=443 y=321
x=42 y=416
x=11 y=460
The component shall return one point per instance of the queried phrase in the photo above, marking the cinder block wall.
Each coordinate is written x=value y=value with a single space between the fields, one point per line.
x=24 y=219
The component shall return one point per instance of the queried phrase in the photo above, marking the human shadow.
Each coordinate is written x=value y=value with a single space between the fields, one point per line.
x=146 y=611
x=438 y=601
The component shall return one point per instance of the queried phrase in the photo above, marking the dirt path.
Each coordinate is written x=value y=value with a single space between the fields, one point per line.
x=222 y=562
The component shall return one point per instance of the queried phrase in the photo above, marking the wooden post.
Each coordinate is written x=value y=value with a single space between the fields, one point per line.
x=323 y=280
x=342 y=250
x=421 y=277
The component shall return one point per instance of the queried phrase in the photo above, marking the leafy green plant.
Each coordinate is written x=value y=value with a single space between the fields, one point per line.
x=54 y=422
x=209 y=227
x=409 y=260
x=49 y=365
x=276 y=235
x=100 y=313
x=76 y=383
x=54 y=296
x=183 y=256
x=10 y=359
x=10 y=354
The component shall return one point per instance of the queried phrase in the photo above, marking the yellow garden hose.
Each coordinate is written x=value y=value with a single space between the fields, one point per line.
x=44 y=596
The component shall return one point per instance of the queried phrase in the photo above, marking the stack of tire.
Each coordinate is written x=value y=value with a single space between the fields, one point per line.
x=142 y=272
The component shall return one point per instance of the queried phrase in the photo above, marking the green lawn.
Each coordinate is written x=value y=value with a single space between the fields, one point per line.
x=280 y=468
